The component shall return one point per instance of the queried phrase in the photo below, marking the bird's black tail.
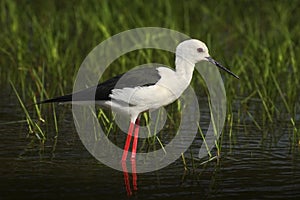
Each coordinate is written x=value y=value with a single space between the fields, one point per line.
x=82 y=95
x=61 y=99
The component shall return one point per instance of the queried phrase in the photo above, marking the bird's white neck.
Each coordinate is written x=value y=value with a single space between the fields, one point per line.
x=176 y=81
x=184 y=69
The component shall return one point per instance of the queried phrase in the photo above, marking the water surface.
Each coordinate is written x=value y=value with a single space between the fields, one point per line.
x=251 y=166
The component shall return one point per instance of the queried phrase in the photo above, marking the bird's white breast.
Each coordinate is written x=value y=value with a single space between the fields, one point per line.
x=142 y=98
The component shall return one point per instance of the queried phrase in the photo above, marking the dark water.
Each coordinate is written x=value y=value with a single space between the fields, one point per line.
x=252 y=166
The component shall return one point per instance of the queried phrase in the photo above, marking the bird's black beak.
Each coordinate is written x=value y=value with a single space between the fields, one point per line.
x=209 y=59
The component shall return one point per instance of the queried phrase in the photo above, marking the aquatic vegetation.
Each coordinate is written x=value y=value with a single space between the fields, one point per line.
x=43 y=45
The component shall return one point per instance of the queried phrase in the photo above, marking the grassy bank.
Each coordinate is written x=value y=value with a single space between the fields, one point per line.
x=44 y=43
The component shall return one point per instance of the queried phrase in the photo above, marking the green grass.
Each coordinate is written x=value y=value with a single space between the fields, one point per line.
x=44 y=42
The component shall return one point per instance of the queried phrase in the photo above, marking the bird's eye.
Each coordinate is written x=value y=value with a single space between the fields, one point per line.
x=200 y=50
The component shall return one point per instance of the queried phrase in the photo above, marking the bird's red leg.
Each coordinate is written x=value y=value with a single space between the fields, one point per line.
x=127 y=143
x=126 y=178
x=134 y=175
x=135 y=139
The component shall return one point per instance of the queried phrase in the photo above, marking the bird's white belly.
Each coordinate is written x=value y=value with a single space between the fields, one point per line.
x=153 y=97
x=140 y=99
x=133 y=101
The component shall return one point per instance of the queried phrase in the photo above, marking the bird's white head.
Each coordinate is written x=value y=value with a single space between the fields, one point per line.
x=193 y=51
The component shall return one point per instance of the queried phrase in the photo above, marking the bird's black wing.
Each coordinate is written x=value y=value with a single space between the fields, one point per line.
x=146 y=76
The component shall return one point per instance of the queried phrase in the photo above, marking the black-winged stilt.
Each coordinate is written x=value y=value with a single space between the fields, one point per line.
x=146 y=89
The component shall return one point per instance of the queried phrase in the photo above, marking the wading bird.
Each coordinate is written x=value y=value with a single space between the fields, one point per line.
x=146 y=88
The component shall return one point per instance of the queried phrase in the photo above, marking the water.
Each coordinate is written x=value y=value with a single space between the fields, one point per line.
x=252 y=166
